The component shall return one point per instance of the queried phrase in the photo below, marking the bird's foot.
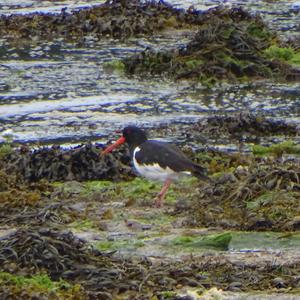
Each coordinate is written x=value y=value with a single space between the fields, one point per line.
x=158 y=201
x=161 y=195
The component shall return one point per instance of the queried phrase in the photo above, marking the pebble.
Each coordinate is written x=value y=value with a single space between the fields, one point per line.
x=235 y=286
x=279 y=283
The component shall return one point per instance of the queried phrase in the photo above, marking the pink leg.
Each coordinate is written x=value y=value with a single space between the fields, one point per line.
x=161 y=195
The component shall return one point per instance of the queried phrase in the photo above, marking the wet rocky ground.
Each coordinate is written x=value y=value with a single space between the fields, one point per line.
x=78 y=225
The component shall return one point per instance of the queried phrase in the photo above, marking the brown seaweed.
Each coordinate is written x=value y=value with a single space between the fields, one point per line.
x=230 y=44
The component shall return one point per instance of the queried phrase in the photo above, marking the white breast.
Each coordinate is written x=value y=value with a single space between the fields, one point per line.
x=154 y=171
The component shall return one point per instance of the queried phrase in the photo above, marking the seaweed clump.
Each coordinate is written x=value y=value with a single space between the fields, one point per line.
x=230 y=44
x=59 y=254
x=116 y=18
x=62 y=256
x=244 y=126
x=57 y=164
x=262 y=196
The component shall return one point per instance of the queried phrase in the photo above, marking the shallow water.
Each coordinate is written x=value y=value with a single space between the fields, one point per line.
x=60 y=92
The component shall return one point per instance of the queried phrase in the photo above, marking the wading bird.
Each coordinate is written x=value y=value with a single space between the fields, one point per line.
x=156 y=160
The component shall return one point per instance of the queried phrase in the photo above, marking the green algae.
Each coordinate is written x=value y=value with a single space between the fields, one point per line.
x=215 y=241
x=124 y=190
x=114 y=65
x=138 y=189
x=5 y=149
x=38 y=285
x=85 y=224
x=157 y=218
x=37 y=281
x=193 y=63
x=97 y=185
x=285 y=54
x=286 y=147
x=168 y=294
x=182 y=240
x=259 y=31
x=118 y=245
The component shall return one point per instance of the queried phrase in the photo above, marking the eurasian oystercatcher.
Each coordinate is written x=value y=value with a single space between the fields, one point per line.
x=156 y=160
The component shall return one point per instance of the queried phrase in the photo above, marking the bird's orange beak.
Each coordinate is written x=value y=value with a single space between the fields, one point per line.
x=120 y=141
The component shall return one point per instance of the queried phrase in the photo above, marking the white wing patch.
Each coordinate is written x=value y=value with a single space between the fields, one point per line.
x=155 y=171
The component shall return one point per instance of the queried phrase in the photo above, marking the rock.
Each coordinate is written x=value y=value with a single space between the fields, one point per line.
x=293 y=224
x=295 y=6
x=107 y=214
x=189 y=282
x=241 y=171
x=258 y=223
x=279 y=283
x=235 y=286
x=137 y=225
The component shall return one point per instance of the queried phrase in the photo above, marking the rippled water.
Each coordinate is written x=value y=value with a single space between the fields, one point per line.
x=60 y=91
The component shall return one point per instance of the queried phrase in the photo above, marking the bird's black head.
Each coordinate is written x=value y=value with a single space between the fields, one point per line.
x=134 y=136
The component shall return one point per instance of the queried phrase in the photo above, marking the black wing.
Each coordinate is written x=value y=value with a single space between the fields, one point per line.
x=166 y=155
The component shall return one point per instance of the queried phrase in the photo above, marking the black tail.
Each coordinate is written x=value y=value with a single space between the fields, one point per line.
x=200 y=173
